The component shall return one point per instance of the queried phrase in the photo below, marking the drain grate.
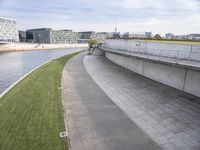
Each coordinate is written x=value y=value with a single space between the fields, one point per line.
x=63 y=134
x=59 y=88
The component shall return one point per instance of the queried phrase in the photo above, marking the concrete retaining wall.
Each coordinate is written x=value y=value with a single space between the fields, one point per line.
x=176 y=76
x=192 y=82
x=173 y=50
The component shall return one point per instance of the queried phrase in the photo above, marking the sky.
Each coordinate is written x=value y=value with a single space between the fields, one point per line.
x=136 y=16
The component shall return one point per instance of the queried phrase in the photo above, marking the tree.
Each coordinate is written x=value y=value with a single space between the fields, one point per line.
x=157 y=36
x=92 y=43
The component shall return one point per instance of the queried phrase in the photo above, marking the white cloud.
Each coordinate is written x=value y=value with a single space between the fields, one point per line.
x=159 y=16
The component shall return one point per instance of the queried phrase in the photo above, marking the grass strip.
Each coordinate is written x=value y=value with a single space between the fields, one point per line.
x=175 y=42
x=31 y=115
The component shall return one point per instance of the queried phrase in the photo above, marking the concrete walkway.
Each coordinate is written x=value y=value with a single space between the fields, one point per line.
x=170 y=117
x=94 y=121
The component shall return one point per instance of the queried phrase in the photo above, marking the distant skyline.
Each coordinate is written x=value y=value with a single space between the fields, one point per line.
x=158 y=16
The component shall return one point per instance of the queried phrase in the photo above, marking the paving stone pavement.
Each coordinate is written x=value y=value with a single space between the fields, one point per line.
x=170 y=117
x=94 y=122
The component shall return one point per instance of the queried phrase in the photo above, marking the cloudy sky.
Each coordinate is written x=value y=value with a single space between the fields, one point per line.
x=158 y=16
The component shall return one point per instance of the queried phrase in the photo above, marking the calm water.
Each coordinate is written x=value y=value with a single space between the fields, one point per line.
x=13 y=65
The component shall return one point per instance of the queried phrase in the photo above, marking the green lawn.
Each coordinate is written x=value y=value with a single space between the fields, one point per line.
x=31 y=115
x=175 y=42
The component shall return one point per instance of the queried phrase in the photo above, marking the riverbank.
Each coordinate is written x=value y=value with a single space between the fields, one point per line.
x=35 y=46
x=31 y=113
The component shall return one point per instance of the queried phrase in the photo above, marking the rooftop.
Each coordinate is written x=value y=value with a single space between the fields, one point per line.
x=7 y=18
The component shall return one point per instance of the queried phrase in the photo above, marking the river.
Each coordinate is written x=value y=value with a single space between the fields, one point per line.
x=14 y=65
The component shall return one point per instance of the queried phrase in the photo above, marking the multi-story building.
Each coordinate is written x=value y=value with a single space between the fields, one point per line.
x=134 y=35
x=148 y=34
x=169 y=36
x=126 y=35
x=47 y=35
x=116 y=35
x=100 y=36
x=181 y=37
x=22 y=36
x=86 y=34
x=194 y=36
x=64 y=36
x=41 y=35
x=8 y=30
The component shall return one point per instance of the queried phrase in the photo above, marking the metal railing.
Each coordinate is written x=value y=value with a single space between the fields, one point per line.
x=166 y=55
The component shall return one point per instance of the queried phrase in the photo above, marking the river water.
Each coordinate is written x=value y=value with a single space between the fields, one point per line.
x=14 y=65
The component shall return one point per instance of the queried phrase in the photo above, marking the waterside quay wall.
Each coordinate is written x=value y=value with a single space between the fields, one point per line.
x=181 y=76
x=34 y=46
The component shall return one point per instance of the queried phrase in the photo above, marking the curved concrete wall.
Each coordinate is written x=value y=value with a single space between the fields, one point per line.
x=176 y=76
x=173 y=50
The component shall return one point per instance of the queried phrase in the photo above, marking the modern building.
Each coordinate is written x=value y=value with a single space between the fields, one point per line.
x=22 y=36
x=134 y=35
x=64 y=36
x=194 y=36
x=148 y=34
x=181 y=37
x=116 y=35
x=86 y=34
x=41 y=35
x=100 y=36
x=82 y=41
x=8 y=30
x=169 y=36
x=126 y=35
x=47 y=35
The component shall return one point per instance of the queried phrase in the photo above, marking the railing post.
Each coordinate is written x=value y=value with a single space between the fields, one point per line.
x=126 y=46
x=177 y=56
x=190 y=55
x=147 y=50
x=160 y=54
x=168 y=54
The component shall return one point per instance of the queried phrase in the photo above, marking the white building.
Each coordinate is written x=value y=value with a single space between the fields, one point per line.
x=8 y=30
x=194 y=36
